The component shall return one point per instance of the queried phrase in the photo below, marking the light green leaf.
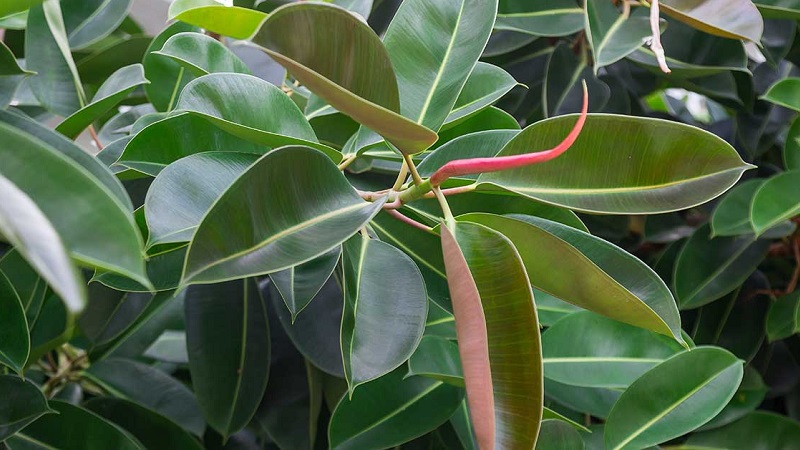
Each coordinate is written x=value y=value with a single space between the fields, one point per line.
x=24 y=225
x=618 y=165
x=334 y=69
x=783 y=319
x=22 y=403
x=733 y=19
x=255 y=230
x=707 y=268
x=383 y=317
x=775 y=201
x=442 y=39
x=14 y=6
x=437 y=357
x=592 y=273
x=166 y=76
x=785 y=92
x=731 y=217
x=485 y=85
x=56 y=84
x=227 y=338
x=233 y=21
x=496 y=323
x=605 y=353
x=408 y=408
x=674 y=398
x=299 y=285
x=110 y=94
x=612 y=35
x=114 y=243
x=540 y=18
x=201 y=54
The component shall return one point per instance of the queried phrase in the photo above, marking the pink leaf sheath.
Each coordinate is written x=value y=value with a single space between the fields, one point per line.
x=481 y=165
x=473 y=341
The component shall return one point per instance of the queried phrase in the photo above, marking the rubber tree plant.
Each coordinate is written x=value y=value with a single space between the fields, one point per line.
x=300 y=234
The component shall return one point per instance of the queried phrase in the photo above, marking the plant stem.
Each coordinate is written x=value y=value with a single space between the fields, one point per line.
x=401 y=176
x=450 y=221
x=413 y=169
x=655 y=45
x=347 y=161
x=95 y=137
x=175 y=90
x=405 y=219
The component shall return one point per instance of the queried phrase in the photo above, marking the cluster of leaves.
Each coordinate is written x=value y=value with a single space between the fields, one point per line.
x=312 y=225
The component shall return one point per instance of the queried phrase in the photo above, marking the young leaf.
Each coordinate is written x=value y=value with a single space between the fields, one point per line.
x=201 y=54
x=227 y=338
x=334 y=69
x=674 y=398
x=383 y=317
x=783 y=319
x=443 y=39
x=22 y=403
x=233 y=21
x=167 y=77
x=497 y=335
x=775 y=201
x=255 y=230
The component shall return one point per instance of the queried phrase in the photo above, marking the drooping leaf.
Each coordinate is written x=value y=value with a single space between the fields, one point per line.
x=443 y=39
x=88 y=22
x=276 y=229
x=153 y=430
x=707 y=268
x=759 y=429
x=24 y=225
x=485 y=85
x=621 y=165
x=111 y=93
x=166 y=76
x=612 y=35
x=298 y=285
x=56 y=84
x=114 y=243
x=87 y=431
x=233 y=21
x=408 y=408
x=201 y=54
x=775 y=201
x=148 y=387
x=592 y=274
x=542 y=18
x=489 y=285
x=22 y=403
x=605 y=353
x=383 y=318
x=783 y=319
x=334 y=69
x=673 y=398
x=738 y=19
x=227 y=338
x=184 y=191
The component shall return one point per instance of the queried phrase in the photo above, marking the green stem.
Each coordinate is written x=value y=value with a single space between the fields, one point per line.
x=450 y=221
x=413 y=169
x=175 y=90
x=347 y=161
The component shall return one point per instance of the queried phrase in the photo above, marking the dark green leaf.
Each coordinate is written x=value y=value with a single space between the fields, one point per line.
x=486 y=85
x=737 y=19
x=783 y=319
x=22 y=403
x=299 y=285
x=437 y=358
x=166 y=76
x=762 y=430
x=541 y=18
x=558 y=435
x=87 y=22
x=775 y=201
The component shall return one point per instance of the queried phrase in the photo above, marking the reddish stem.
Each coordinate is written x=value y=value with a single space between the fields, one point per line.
x=481 y=165
x=397 y=215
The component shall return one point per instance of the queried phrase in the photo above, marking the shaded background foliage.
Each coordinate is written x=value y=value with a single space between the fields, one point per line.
x=731 y=264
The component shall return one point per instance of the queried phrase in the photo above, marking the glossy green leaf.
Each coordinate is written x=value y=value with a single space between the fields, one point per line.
x=299 y=285
x=8 y=63
x=148 y=387
x=13 y=6
x=783 y=319
x=109 y=312
x=111 y=93
x=367 y=92
x=276 y=229
x=56 y=84
x=166 y=76
x=437 y=358
x=775 y=201
x=184 y=191
x=87 y=431
x=673 y=398
x=748 y=397
x=165 y=141
x=408 y=408
x=201 y=54
x=22 y=403
x=738 y=19
x=53 y=326
x=731 y=216
x=442 y=39
x=550 y=309
x=617 y=165
x=707 y=268
x=612 y=35
x=562 y=92
x=605 y=353
x=90 y=21
x=233 y=21
x=761 y=429
x=772 y=9
x=548 y=413
x=785 y=92
x=558 y=435
x=791 y=149
x=169 y=347
x=501 y=358
x=163 y=270
x=485 y=85
x=592 y=273
x=542 y=18
x=595 y=401
x=383 y=317
x=228 y=343
x=114 y=244
x=24 y=225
